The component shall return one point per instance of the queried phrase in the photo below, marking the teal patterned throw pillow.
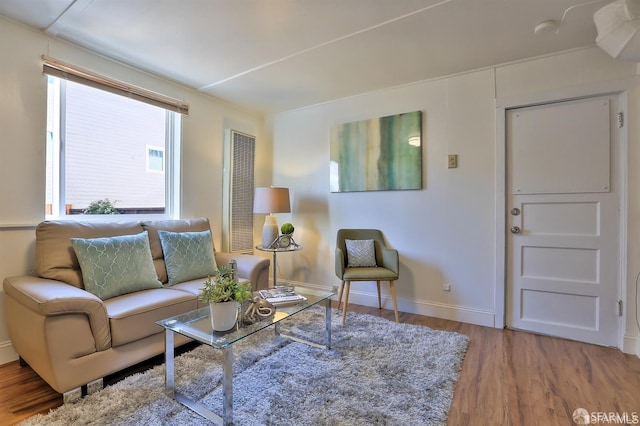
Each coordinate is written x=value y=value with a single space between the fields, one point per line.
x=112 y=266
x=188 y=255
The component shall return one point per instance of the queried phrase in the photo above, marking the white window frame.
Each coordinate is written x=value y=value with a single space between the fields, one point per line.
x=172 y=150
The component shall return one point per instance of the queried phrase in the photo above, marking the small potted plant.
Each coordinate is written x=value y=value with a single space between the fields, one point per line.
x=223 y=292
x=287 y=229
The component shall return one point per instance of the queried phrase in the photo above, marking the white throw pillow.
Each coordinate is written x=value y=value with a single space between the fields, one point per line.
x=360 y=253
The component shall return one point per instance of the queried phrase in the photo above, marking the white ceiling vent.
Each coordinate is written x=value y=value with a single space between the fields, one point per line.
x=618 y=26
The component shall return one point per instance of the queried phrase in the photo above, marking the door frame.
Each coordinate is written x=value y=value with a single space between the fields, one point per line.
x=616 y=88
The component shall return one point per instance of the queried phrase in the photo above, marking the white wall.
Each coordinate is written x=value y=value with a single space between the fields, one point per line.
x=445 y=233
x=22 y=144
x=632 y=334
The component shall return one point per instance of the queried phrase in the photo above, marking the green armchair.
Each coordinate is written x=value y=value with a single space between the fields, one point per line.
x=384 y=268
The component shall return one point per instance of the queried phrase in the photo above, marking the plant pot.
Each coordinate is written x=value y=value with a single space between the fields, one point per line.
x=223 y=315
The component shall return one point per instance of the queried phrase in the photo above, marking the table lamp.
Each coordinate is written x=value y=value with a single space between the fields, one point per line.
x=271 y=200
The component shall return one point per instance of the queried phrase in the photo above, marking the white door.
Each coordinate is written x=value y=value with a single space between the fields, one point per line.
x=563 y=219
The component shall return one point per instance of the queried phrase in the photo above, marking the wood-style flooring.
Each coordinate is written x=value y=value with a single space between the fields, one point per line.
x=507 y=378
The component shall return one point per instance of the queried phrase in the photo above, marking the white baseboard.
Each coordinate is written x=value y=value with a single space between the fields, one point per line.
x=7 y=354
x=419 y=307
x=631 y=345
x=452 y=312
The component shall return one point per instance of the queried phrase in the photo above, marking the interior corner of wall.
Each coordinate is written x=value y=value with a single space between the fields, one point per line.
x=7 y=354
x=631 y=344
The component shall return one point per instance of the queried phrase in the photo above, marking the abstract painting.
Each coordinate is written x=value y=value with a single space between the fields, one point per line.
x=379 y=154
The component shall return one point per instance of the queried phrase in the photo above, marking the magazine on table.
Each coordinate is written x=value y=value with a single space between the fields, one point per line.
x=281 y=295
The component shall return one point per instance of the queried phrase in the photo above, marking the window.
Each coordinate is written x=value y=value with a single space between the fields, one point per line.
x=108 y=149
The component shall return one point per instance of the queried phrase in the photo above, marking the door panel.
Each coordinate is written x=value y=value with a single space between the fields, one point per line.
x=558 y=144
x=561 y=218
x=548 y=307
x=562 y=264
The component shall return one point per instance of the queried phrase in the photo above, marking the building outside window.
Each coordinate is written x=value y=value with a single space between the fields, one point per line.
x=103 y=146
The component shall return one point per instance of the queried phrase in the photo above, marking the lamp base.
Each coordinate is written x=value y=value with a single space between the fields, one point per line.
x=270 y=231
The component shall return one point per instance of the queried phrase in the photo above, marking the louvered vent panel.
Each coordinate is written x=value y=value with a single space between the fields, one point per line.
x=241 y=195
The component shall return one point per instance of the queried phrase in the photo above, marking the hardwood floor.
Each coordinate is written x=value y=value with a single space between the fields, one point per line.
x=507 y=378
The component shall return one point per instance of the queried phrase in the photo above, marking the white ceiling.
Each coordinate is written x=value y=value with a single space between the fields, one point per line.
x=276 y=55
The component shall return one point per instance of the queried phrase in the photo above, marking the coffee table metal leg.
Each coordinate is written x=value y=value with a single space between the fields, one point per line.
x=327 y=330
x=300 y=339
x=227 y=387
x=169 y=358
x=227 y=384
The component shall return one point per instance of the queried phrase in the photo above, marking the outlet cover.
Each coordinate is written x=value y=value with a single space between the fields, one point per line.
x=453 y=161
x=446 y=287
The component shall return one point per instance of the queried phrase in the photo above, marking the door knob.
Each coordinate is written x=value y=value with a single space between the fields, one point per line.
x=515 y=229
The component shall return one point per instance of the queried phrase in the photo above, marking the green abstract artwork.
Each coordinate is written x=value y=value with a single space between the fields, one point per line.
x=380 y=154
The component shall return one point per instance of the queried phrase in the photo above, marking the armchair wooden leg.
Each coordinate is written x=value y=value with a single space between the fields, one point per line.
x=392 y=288
x=340 y=293
x=346 y=302
x=379 y=298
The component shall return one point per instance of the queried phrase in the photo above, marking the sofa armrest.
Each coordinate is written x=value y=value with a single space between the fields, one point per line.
x=51 y=298
x=251 y=267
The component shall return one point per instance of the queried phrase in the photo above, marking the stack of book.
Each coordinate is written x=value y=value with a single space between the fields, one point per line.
x=281 y=296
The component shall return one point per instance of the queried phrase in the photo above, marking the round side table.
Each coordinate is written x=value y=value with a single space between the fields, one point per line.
x=275 y=251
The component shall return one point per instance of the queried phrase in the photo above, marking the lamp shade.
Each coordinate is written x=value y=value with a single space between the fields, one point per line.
x=271 y=200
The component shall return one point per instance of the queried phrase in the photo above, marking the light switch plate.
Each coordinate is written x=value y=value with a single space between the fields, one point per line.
x=453 y=161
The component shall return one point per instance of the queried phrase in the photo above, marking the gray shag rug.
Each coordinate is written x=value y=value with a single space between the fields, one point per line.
x=377 y=372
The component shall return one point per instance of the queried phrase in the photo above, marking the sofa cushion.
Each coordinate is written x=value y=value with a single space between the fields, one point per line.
x=193 y=287
x=55 y=257
x=183 y=225
x=187 y=255
x=112 y=266
x=133 y=316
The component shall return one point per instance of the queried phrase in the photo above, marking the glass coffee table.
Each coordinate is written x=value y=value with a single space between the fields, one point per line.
x=197 y=325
